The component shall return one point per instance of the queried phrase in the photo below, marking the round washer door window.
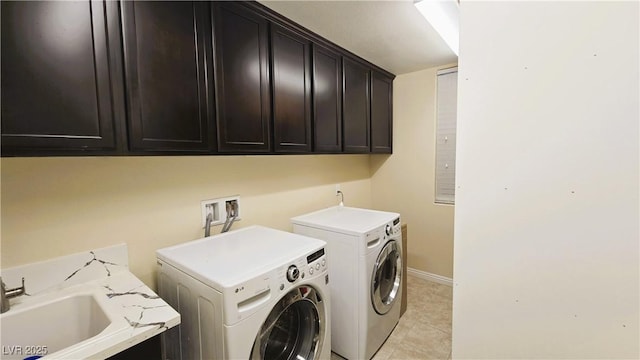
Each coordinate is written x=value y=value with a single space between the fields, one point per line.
x=294 y=329
x=385 y=282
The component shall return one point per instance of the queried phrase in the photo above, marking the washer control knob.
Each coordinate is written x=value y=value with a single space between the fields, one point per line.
x=387 y=230
x=324 y=262
x=293 y=273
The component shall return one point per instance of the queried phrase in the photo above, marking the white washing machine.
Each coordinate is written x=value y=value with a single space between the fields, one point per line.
x=365 y=251
x=253 y=293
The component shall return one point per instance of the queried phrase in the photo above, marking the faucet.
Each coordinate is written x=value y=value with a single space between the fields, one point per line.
x=8 y=294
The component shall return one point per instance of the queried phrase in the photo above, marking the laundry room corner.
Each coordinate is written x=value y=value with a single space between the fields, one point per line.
x=405 y=181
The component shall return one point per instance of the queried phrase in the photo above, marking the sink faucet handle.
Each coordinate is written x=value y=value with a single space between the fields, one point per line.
x=11 y=293
x=15 y=291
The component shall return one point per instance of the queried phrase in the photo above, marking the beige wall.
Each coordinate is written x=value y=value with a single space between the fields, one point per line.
x=58 y=206
x=547 y=204
x=405 y=181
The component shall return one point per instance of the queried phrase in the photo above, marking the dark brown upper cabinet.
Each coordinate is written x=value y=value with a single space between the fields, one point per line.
x=178 y=77
x=242 y=79
x=291 y=86
x=381 y=112
x=327 y=100
x=58 y=71
x=356 y=106
x=168 y=52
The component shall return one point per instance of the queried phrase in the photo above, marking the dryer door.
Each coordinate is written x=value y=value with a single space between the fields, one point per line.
x=385 y=281
x=294 y=329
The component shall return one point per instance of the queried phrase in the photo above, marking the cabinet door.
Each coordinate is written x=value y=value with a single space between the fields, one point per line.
x=56 y=77
x=327 y=100
x=381 y=113
x=167 y=50
x=242 y=81
x=356 y=111
x=291 y=78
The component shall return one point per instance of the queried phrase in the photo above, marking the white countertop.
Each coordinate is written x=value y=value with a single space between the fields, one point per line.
x=137 y=313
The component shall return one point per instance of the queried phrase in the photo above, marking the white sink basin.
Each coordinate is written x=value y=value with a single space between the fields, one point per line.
x=61 y=324
x=86 y=305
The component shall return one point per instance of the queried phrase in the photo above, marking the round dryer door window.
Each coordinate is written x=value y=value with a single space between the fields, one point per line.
x=385 y=282
x=294 y=329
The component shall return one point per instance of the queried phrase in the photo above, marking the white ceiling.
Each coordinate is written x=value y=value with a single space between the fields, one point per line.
x=390 y=34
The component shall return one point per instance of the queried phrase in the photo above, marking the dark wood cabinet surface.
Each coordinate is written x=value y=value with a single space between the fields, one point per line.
x=381 y=112
x=327 y=100
x=178 y=77
x=56 y=77
x=291 y=86
x=356 y=106
x=242 y=80
x=168 y=65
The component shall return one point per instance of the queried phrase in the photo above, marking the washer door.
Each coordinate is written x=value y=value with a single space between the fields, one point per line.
x=294 y=329
x=387 y=273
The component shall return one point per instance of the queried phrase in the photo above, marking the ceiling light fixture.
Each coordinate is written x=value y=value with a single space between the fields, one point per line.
x=443 y=15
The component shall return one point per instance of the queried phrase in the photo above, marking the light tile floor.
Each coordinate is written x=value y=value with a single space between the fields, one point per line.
x=424 y=331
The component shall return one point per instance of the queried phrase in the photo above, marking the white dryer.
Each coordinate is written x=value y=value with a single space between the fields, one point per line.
x=365 y=250
x=253 y=293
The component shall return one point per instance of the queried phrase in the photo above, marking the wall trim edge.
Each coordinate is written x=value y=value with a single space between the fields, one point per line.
x=430 y=276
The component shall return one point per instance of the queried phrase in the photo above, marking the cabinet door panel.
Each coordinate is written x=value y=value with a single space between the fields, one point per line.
x=167 y=51
x=381 y=113
x=242 y=80
x=356 y=110
x=291 y=64
x=56 y=90
x=327 y=98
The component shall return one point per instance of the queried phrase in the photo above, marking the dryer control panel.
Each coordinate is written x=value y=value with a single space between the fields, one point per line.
x=316 y=262
x=393 y=228
x=310 y=265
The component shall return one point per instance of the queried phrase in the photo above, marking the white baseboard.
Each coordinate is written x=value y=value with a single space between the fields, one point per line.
x=430 y=277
